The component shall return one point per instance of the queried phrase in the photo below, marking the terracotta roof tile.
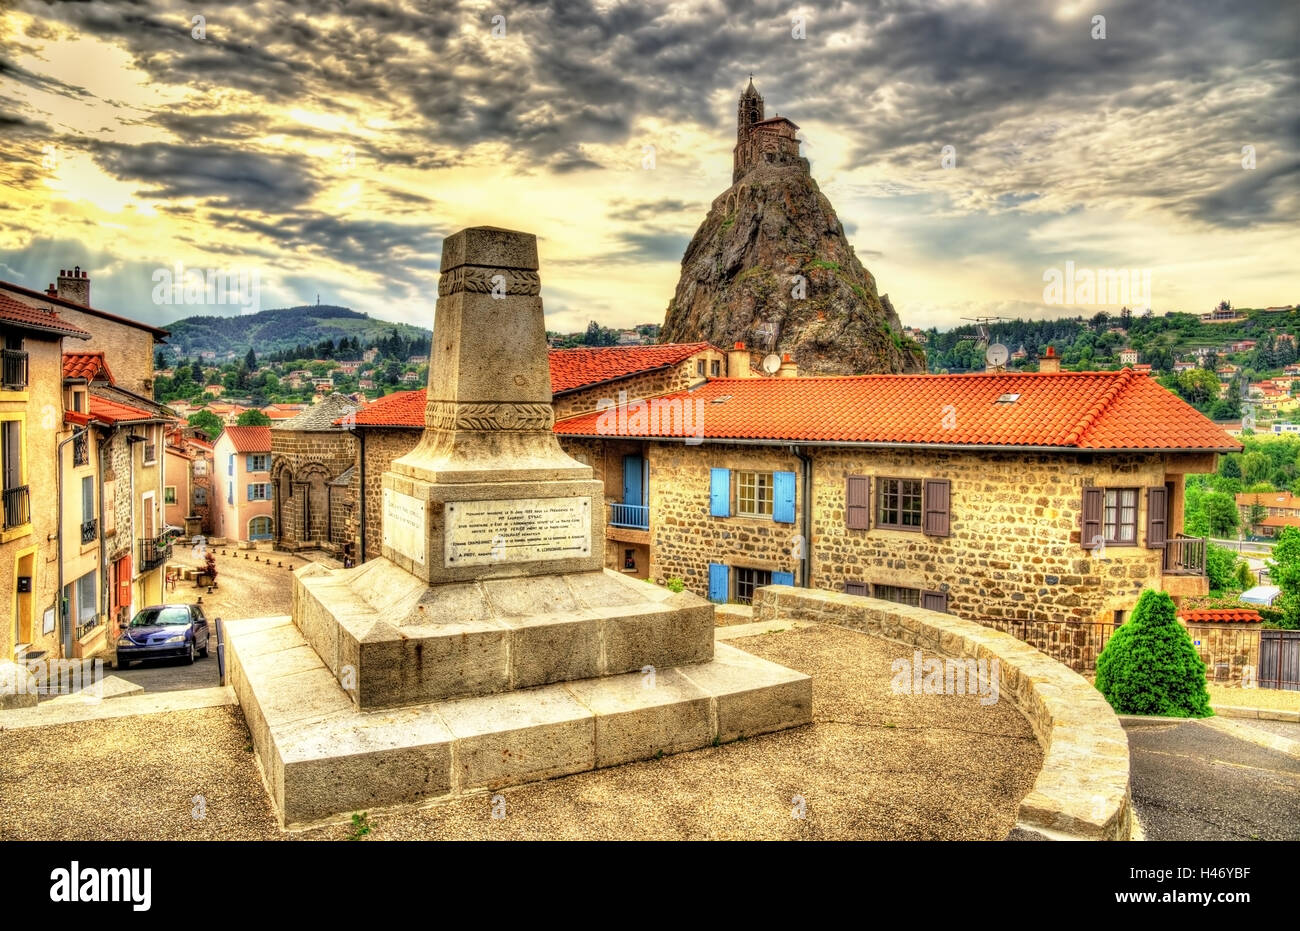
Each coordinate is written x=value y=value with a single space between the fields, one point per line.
x=1220 y=616
x=111 y=412
x=399 y=409
x=25 y=315
x=572 y=369
x=1069 y=410
x=87 y=365
x=250 y=439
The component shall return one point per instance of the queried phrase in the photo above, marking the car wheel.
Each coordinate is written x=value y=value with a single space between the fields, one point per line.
x=189 y=657
x=204 y=652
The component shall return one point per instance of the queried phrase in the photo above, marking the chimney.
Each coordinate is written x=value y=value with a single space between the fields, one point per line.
x=74 y=286
x=788 y=368
x=1050 y=362
x=738 y=362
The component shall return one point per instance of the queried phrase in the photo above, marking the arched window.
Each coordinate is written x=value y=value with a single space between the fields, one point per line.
x=259 y=528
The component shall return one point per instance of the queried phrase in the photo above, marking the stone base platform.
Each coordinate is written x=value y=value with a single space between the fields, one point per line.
x=322 y=758
x=392 y=639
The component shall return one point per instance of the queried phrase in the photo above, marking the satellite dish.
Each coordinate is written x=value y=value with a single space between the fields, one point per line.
x=997 y=355
x=771 y=363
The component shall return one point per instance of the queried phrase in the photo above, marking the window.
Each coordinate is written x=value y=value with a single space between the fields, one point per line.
x=14 y=363
x=79 y=401
x=749 y=579
x=855 y=588
x=699 y=367
x=88 y=498
x=1121 y=515
x=754 y=494
x=900 y=503
x=200 y=497
x=200 y=467
x=17 y=504
x=259 y=462
x=230 y=493
x=259 y=491
x=259 y=528
x=169 y=494
x=86 y=608
x=903 y=596
x=715 y=368
x=230 y=465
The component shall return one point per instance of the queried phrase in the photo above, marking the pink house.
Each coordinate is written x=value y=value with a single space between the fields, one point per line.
x=242 y=484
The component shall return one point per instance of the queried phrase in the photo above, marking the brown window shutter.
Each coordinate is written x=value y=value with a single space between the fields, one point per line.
x=938 y=507
x=855 y=588
x=935 y=601
x=1090 y=535
x=857 y=499
x=1157 y=517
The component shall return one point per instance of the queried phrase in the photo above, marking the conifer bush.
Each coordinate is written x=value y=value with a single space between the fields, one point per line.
x=1150 y=666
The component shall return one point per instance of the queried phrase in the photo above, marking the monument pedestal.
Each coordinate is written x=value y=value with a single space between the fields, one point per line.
x=487 y=646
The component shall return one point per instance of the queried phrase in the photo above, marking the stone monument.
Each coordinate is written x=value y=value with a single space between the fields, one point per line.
x=487 y=646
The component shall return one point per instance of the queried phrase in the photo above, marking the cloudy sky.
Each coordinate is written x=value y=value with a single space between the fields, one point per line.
x=329 y=145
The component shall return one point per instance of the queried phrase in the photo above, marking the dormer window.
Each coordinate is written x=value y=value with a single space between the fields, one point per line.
x=79 y=400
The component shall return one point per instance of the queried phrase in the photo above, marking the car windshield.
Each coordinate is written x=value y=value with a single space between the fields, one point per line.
x=166 y=617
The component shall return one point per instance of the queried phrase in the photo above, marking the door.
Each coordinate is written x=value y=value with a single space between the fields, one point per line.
x=146 y=515
x=633 y=480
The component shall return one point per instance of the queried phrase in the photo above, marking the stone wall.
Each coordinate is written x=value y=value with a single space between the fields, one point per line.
x=1082 y=791
x=309 y=461
x=128 y=349
x=382 y=446
x=1234 y=645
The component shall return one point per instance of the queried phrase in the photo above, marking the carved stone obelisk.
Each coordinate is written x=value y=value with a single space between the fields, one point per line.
x=487 y=645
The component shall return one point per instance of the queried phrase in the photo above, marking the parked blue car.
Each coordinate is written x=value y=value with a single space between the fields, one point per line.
x=163 y=631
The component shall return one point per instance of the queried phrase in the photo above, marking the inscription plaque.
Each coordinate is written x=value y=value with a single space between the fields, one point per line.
x=404 y=525
x=481 y=533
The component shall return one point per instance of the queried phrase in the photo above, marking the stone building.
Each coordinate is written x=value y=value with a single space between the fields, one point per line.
x=1019 y=500
x=311 y=455
x=762 y=141
x=188 y=492
x=582 y=380
x=31 y=414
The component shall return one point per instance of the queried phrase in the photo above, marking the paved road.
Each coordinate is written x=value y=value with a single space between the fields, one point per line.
x=170 y=675
x=1193 y=782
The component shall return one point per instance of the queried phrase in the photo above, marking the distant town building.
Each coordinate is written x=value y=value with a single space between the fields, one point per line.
x=1128 y=357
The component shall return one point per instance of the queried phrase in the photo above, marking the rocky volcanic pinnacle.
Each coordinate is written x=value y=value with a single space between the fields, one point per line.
x=771 y=267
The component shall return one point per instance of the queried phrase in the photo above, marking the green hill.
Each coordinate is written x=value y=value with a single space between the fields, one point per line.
x=275 y=330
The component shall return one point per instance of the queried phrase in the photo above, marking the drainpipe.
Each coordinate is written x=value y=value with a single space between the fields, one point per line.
x=806 y=462
x=66 y=632
x=103 y=543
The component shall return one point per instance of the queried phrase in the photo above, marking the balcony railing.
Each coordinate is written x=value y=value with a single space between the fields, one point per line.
x=629 y=515
x=18 y=508
x=81 y=449
x=89 y=530
x=1185 y=555
x=13 y=368
x=154 y=552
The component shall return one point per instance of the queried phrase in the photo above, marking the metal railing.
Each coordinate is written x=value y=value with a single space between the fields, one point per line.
x=18 y=507
x=14 y=366
x=154 y=552
x=81 y=448
x=1184 y=555
x=89 y=530
x=636 y=516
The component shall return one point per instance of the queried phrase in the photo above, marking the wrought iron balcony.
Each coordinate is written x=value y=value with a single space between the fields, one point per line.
x=81 y=449
x=154 y=552
x=636 y=516
x=14 y=369
x=18 y=506
x=89 y=530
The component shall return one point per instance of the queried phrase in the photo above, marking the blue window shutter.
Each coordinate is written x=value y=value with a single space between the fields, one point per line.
x=633 y=470
x=230 y=465
x=717 y=580
x=230 y=493
x=248 y=463
x=250 y=491
x=720 y=493
x=783 y=497
x=782 y=578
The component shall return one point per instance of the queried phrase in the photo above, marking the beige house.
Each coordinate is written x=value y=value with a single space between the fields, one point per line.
x=31 y=414
x=242 y=485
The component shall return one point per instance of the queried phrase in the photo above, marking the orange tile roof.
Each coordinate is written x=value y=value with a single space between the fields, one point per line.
x=1220 y=616
x=250 y=439
x=1072 y=410
x=583 y=367
x=1270 y=499
x=399 y=409
x=25 y=315
x=1280 y=522
x=112 y=412
x=86 y=365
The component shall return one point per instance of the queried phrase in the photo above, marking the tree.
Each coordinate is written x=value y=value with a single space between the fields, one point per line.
x=1220 y=567
x=1197 y=386
x=208 y=422
x=253 y=419
x=1220 y=514
x=250 y=358
x=1257 y=515
x=1284 y=572
x=1149 y=665
x=1230 y=467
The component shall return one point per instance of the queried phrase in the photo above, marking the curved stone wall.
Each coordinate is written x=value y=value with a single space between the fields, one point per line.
x=1082 y=792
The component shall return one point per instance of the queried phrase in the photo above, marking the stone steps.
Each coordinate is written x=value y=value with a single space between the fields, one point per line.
x=322 y=758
